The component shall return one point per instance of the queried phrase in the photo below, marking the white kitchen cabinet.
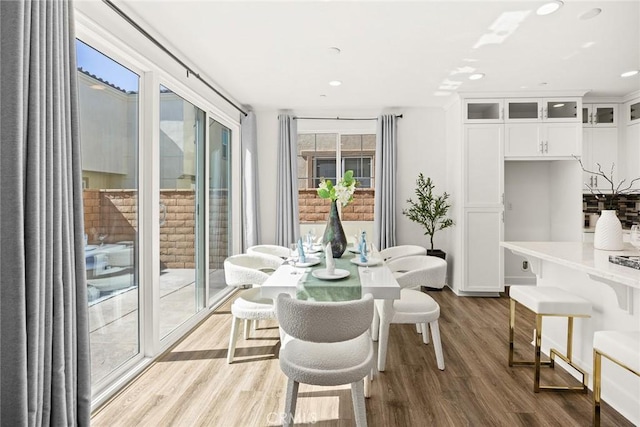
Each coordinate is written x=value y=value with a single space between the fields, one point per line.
x=633 y=112
x=483 y=266
x=600 y=147
x=632 y=154
x=523 y=110
x=483 y=111
x=547 y=141
x=600 y=115
x=483 y=198
x=483 y=165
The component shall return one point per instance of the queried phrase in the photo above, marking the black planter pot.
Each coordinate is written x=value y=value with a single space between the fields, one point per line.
x=437 y=252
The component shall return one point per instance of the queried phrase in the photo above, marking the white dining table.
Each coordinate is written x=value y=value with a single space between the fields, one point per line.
x=376 y=280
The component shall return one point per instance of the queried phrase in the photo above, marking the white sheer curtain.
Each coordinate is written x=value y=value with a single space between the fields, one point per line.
x=384 y=224
x=44 y=354
x=250 y=199
x=287 y=229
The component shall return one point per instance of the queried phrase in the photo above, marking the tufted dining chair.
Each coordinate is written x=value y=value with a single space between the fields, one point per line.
x=326 y=344
x=401 y=251
x=276 y=250
x=413 y=306
x=248 y=270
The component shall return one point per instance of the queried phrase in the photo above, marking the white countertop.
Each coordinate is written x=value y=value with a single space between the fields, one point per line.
x=581 y=256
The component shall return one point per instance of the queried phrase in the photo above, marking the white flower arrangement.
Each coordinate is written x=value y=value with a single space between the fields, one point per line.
x=342 y=192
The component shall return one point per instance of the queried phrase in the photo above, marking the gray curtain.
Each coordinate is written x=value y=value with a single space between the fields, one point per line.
x=44 y=353
x=287 y=230
x=384 y=225
x=250 y=200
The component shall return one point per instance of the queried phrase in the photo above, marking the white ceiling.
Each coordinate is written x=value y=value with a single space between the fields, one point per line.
x=268 y=54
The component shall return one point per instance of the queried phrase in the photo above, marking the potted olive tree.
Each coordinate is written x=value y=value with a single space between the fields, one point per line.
x=430 y=211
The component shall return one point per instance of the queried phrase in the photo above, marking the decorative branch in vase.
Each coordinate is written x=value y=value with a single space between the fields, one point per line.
x=608 y=231
x=609 y=198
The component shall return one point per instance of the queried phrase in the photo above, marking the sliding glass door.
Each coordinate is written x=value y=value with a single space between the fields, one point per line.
x=219 y=205
x=109 y=106
x=182 y=143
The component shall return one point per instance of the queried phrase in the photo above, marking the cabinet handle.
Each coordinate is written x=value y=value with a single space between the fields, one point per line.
x=540 y=148
x=546 y=146
x=590 y=181
x=596 y=178
x=541 y=112
x=545 y=113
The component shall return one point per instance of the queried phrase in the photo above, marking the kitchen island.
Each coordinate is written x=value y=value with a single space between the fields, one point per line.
x=614 y=292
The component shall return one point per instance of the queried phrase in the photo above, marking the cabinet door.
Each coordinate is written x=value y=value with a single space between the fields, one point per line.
x=633 y=115
x=483 y=111
x=483 y=165
x=562 y=139
x=523 y=110
x=523 y=140
x=632 y=154
x=604 y=115
x=483 y=267
x=601 y=148
x=566 y=110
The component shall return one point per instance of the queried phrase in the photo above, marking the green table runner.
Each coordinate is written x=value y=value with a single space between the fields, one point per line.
x=347 y=289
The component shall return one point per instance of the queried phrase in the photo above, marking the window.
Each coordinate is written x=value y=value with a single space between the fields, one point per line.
x=327 y=156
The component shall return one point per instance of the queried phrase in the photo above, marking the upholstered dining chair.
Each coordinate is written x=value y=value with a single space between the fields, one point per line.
x=401 y=251
x=276 y=250
x=413 y=306
x=248 y=270
x=419 y=270
x=326 y=344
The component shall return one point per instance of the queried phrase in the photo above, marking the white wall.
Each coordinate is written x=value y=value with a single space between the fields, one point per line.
x=421 y=148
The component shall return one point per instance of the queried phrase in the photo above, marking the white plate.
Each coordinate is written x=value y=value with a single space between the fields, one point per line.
x=338 y=273
x=309 y=261
x=370 y=262
x=314 y=249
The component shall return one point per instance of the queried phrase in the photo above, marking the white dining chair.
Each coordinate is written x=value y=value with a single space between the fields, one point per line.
x=275 y=250
x=326 y=344
x=413 y=306
x=248 y=270
x=400 y=251
x=419 y=270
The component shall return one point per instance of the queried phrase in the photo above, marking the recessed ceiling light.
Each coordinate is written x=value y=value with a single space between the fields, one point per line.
x=335 y=83
x=335 y=50
x=549 y=8
x=543 y=83
x=590 y=13
x=476 y=76
x=323 y=96
x=629 y=73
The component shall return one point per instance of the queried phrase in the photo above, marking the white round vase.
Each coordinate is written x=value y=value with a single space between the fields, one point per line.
x=608 y=233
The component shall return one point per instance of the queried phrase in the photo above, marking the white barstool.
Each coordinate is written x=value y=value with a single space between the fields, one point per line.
x=548 y=301
x=622 y=348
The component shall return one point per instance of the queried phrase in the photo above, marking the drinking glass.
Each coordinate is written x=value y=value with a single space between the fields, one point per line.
x=293 y=256
x=369 y=257
x=635 y=236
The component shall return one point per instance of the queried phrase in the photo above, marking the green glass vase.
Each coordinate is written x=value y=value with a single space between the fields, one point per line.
x=334 y=233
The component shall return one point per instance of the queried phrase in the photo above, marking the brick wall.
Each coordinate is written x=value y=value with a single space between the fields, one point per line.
x=314 y=209
x=114 y=212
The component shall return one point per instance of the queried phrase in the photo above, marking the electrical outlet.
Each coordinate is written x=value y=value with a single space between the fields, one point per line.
x=525 y=265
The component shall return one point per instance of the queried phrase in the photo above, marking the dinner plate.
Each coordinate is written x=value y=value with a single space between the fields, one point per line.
x=338 y=273
x=309 y=261
x=314 y=249
x=371 y=261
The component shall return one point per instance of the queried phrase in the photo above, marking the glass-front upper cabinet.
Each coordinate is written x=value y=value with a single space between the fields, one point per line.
x=543 y=109
x=599 y=115
x=634 y=112
x=483 y=111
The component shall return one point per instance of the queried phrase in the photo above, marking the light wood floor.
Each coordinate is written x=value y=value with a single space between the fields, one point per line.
x=192 y=385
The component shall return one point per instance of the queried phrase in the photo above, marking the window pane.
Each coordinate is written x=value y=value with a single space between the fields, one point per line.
x=108 y=110
x=358 y=155
x=219 y=205
x=181 y=140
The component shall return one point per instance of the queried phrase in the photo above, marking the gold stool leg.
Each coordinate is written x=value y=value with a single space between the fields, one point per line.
x=536 y=378
x=568 y=359
x=597 y=387
x=512 y=325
